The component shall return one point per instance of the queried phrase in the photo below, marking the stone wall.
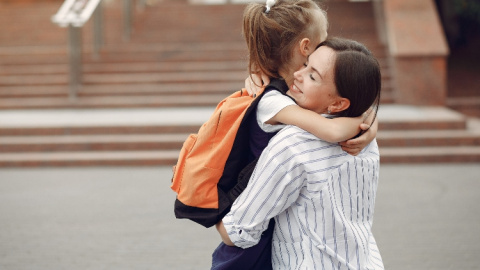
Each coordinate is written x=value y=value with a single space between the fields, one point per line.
x=417 y=49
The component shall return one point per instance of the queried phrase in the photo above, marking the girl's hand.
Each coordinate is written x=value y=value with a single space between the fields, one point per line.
x=355 y=146
x=255 y=82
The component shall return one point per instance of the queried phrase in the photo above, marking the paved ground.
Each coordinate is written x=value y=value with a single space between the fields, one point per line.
x=427 y=217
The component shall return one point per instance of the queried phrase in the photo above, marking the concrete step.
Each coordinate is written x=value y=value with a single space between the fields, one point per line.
x=127 y=100
x=128 y=78
x=96 y=143
x=406 y=117
x=174 y=141
x=436 y=154
x=467 y=105
x=107 y=130
x=137 y=67
x=132 y=57
x=147 y=89
x=141 y=101
x=430 y=142
x=115 y=158
x=457 y=154
x=137 y=52
x=147 y=66
x=102 y=121
x=127 y=96
x=154 y=136
x=428 y=138
x=131 y=67
x=398 y=118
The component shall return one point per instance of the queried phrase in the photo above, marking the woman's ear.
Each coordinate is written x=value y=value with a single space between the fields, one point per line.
x=339 y=105
x=305 y=45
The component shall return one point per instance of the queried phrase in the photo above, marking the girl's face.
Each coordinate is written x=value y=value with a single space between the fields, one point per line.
x=313 y=87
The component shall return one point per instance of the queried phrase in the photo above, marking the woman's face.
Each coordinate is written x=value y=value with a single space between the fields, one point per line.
x=313 y=87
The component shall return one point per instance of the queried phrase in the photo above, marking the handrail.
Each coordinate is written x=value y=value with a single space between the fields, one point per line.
x=75 y=12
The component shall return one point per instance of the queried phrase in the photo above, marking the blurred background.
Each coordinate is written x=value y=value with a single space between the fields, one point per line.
x=97 y=90
x=108 y=59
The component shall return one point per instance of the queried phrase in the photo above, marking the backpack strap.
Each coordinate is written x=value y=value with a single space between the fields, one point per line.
x=278 y=84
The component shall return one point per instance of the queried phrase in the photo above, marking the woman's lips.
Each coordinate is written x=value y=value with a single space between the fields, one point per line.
x=294 y=88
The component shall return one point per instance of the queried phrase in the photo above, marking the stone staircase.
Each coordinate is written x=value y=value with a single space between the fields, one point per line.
x=167 y=62
x=140 y=99
x=154 y=136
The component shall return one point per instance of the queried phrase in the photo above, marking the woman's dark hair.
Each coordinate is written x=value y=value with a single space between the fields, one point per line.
x=356 y=75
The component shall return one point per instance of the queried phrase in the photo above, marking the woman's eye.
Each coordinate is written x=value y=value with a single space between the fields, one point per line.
x=311 y=77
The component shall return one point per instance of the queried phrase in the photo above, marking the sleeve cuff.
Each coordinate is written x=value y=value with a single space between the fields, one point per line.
x=239 y=236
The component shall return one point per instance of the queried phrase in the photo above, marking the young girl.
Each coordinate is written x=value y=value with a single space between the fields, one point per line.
x=280 y=36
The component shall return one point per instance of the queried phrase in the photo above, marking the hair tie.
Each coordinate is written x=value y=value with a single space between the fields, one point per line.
x=269 y=4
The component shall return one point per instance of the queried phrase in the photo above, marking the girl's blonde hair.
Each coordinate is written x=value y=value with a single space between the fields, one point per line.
x=271 y=35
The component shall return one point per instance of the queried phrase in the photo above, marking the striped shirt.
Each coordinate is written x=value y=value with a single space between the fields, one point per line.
x=322 y=200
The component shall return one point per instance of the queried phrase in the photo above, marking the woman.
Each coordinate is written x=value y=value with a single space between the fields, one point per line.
x=321 y=198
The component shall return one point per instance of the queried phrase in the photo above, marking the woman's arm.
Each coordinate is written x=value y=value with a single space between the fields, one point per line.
x=274 y=186
x=330 y=130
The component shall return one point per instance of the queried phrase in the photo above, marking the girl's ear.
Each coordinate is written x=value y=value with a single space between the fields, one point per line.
x=339 y=105
x=305 y=45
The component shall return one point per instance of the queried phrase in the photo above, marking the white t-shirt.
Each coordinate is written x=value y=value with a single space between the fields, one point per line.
x=270 y=104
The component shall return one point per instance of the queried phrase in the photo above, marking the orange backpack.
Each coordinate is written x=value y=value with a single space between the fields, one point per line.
x=206 y=176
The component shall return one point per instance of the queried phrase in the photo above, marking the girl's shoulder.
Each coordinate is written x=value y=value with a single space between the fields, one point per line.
x=273 y=98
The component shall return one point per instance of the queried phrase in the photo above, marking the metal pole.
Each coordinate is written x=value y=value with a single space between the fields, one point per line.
x=141 y=4
x=75 y=51
x=127 y=19
x=97 y=30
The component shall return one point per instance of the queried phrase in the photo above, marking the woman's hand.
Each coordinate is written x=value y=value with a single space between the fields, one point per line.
x=355 y=146
x=223 y=233
x=255 y=83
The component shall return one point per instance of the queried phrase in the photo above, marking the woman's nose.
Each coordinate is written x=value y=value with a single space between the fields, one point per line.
x=297 y=75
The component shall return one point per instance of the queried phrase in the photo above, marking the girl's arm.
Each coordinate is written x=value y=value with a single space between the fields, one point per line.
x=330 y=130
x=255 y=82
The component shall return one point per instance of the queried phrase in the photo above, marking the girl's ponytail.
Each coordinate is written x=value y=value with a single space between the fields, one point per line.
x=271 y=31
